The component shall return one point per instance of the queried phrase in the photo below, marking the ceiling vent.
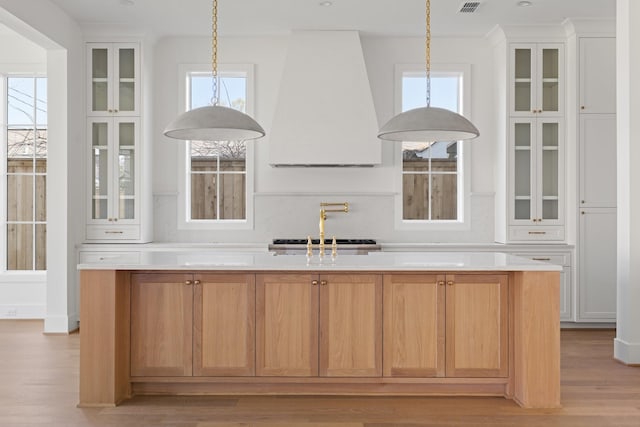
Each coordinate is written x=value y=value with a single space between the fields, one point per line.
x=469 y=6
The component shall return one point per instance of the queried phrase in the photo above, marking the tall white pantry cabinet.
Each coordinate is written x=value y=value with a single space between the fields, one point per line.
x=116 y=203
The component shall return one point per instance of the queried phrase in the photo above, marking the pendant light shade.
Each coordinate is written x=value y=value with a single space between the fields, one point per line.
x=214 y=123
x=428 y=124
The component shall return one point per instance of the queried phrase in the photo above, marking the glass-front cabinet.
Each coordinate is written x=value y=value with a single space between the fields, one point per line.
x=537 y=178
x=113 y=143
x=114 y=86
x=537 y=79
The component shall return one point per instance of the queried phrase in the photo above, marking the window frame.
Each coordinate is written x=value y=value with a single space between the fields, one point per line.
x=184 y=191
x=4 y=127
x=464 y=172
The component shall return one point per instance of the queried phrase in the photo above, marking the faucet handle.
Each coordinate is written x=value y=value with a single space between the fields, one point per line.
x=334 y=248
x=309 y=247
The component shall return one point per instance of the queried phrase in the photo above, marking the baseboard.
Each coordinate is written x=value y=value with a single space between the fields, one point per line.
x=19 y=311
x=586 y=325
x=625 y=352
x=60 y=324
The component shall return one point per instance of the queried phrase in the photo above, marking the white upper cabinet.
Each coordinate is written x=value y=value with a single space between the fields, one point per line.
x=114 y=82
x=597 y=75
x=537 y=84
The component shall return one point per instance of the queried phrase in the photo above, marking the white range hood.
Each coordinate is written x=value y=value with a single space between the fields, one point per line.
x=325 y=114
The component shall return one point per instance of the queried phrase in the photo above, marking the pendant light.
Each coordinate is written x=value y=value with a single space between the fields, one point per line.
x=428 y=124
x=214 y=122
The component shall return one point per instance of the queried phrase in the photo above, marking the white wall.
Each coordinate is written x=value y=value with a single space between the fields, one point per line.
x=286 y=200
x=22 y=294
x=56 y=32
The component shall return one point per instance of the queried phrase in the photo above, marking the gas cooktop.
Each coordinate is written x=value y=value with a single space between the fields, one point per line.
x=326 y=241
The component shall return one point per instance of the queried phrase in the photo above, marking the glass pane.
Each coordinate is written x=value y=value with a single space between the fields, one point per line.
x=99 y=96
x=126 y=134
x=523 y=64
x=550 y=134
x=100 y=135
x=126 y=175
x=100 y=172
x=99 y=208
x=550 y=173
x=20 y=100
x=523 y=173
x=20 y=143
x=41 y=147
x=127 y=63
x=41 y=246
x=444 y=199
x=523 y=209
x=232 y=196
x=415 y=196
x=522 y=99
x=20 y=198
x=550 y=96
x=100 y=63
x=203 y=196
x=444 y=91
x=550 y=209
x=231 y=91
x=127 y=96
x=41 y=101
x=550 y=63
x=19 y=247
x=41 y=197
x=127 y=209
x=522 y=134
x=415 y=156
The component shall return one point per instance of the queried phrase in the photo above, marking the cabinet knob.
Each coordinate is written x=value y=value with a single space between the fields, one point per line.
x=582 y=201
x=582 y=107
x=441 y=283
x=196 y=282
x=323 y=283
x=188 y=282
x=110 y=110
x=450 y=283
x=314 y=282
x=582 y=212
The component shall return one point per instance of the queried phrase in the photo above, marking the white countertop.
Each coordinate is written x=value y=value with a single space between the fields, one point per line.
x=375 y=261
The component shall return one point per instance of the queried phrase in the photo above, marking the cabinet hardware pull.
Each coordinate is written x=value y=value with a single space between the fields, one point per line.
x=188 y=282
x=541 y=259
x=196 y=282
x=582 y=107
x=323 y=282
x=114 y=232
x=450 y=283
x=583 y=212
x=537 y=232
x=582 y=201
x=314 y=282
x=441 y=283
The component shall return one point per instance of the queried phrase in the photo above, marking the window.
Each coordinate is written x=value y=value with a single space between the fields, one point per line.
x=25 y=164
x=432 y=173
x=218 y=176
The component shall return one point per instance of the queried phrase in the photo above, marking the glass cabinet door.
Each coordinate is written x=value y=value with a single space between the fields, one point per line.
x=100 y=77
x=536 y=78
x=114 y=79
x=523 y=169
x=523 y=90
x=100 y=165
x=126 y=91
x=550 y=170
x=126 y=169
x=550 y=82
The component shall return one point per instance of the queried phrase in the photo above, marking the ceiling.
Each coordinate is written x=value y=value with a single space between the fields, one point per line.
x=159 y=18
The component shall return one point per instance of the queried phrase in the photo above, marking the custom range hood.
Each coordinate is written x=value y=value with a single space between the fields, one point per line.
x=324 y=115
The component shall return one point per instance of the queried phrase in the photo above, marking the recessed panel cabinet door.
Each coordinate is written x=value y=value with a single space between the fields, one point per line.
x=286 y=325
x=161 y=324
x=351 y=325
x=414 y=325
x=477 y=325
x=224 y=325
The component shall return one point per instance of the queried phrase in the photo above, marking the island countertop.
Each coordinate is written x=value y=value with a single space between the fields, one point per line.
x=375 y=261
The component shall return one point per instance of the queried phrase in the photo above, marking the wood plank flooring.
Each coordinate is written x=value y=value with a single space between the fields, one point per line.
x=39 y=387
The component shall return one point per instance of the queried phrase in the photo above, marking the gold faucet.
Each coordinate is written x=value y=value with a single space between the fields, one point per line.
x=323 y=217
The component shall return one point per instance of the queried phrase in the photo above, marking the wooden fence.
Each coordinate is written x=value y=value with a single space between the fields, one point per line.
x=415 y=189
x=204 y=190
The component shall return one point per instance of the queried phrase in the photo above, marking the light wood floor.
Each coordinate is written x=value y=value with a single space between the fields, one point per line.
x=39 y=387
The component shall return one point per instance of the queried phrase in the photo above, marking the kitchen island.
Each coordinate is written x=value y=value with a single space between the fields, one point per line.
x=474 y=324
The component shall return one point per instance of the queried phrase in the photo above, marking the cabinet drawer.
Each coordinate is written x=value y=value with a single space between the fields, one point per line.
x=110 y=232
x=536 y=233
x=557 y=259
x=108 y=257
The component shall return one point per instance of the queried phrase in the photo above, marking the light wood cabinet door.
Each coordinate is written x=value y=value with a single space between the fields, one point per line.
x=477 y=325
x=351 y=325
x=161 y=324
x=286 y=325
x=414 y=325
x=224 y=325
